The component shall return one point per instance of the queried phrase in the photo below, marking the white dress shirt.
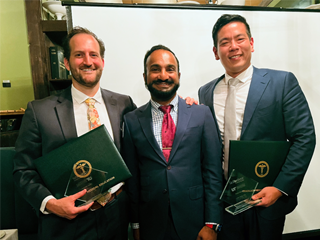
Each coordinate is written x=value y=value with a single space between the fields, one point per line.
x=220 y=95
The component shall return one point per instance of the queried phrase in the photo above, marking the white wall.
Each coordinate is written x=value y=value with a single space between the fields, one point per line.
x=283 y=40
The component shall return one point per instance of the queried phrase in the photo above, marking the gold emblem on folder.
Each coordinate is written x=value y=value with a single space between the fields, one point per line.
x=262 y=169
x=82 y=169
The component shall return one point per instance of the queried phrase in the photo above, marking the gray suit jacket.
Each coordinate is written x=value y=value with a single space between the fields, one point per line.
x=276 y=110
x=49 y=123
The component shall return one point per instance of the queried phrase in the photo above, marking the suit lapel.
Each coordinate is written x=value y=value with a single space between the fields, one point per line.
x=258 y=85
x=209 y=93
x=184 y=115
x=145 y=120
x=114 y=115
x=209 y=102
x=65 y=115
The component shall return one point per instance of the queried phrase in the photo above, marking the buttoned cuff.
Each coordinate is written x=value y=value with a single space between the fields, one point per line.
x=44 y=203
x=135 y=225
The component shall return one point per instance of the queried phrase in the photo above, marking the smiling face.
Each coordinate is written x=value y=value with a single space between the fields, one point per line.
x=234 y=48
x=162 y=76
x=85 y=62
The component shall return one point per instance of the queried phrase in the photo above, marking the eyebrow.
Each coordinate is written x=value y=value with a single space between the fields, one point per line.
x=82 y=51
x=154 y=65
x=171 y=65
x=157 y=65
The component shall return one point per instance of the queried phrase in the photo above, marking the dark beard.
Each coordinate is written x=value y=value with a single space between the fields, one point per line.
x=162 y=95
x=78 y=78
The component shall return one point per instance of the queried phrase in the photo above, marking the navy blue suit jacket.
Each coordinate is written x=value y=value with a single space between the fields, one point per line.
x=190 y=182
x=276 y=110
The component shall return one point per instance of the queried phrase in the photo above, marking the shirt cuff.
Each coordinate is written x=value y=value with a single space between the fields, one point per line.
x=283 y=192
x=135 y=225
x=211 y=223
x=44 y=203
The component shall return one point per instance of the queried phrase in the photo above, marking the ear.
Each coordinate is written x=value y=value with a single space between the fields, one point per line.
x=66 y=64
x=251 y=43
x=144 y=78
x=103 y=62
x=215 y=51
x=179 y=75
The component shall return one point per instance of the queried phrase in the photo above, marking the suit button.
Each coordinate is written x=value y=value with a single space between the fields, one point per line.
x=164 y=191
x=169 y=167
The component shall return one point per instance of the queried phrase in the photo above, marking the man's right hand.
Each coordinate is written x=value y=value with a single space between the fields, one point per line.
x=65 y=207
x=136 y=234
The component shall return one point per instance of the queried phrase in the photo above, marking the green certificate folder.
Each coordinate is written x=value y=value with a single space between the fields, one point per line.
x=93 y=157
x=258 y=160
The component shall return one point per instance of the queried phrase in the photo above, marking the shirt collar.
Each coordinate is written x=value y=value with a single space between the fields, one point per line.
x=80 y=97
x=174 y=102
x=246 y=75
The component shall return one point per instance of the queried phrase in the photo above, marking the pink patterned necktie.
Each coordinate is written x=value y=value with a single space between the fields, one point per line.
x=168 y=131
x=92 y=114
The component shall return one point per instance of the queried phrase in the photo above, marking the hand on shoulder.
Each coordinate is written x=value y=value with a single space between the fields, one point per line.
x=190 y=100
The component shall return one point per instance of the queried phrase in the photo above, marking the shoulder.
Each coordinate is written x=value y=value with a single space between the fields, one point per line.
x=52 y=100
x=206 y=91
x=209 y=84
x=114 y=94
x=194 y=107
x=278 y=74
x=138 y=111
x=124 y=102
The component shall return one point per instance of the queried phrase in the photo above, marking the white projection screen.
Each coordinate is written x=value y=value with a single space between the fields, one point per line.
x=283 y=39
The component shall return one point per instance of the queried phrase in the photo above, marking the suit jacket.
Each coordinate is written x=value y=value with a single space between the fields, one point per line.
x=276 y=110
x=48 y=124
x=190 y=183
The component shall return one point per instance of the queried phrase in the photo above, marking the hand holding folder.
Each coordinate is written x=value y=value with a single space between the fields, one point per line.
x=65 y=207
x=253 y=165
x=258 y=160
x=90 y=162
x=268 y=196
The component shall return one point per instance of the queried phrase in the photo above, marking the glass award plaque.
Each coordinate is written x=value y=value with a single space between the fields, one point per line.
x=238 y=192
x=83 y=176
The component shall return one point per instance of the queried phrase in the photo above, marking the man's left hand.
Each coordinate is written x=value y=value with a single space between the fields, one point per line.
x=207 y=233
x=268 y=196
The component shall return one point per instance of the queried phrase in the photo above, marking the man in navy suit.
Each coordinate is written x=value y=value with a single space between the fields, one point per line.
x=270 y=105
x=174 y=197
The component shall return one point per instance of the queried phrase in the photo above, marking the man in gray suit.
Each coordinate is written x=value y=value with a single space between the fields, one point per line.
x=270 y=106
x=53 y=121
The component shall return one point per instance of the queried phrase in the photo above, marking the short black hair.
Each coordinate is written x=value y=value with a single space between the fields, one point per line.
x=75 y=31
x=224 y=20
x=154 y=48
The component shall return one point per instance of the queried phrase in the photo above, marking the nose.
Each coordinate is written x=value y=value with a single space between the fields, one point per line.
x=87 y=60
x=234 y=45
x=163 y=74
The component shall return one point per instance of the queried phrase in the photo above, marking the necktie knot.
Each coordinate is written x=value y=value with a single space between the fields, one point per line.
x=166 y=109
x=233 y=82
x=90 y=102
